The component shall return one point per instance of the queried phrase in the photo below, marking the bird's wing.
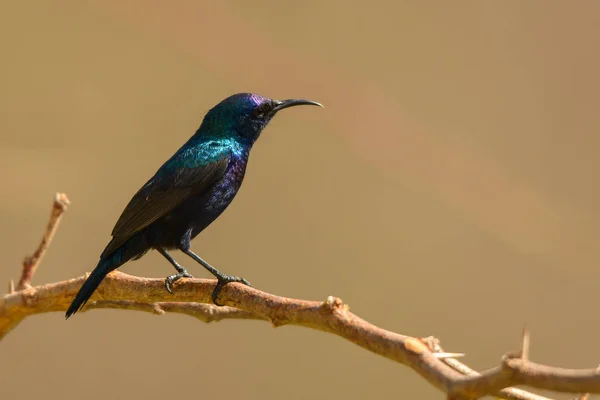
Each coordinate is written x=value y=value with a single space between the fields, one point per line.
x=183 y=175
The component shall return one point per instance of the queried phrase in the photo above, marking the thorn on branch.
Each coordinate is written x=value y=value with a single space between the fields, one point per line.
x=525 y=345
x=520 y=355
x=443 y=356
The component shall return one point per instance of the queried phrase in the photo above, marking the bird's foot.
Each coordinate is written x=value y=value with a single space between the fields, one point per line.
x=174 y=278
x=224 y=280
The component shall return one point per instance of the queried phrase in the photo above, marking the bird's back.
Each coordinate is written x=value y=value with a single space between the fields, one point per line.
x=199 y=180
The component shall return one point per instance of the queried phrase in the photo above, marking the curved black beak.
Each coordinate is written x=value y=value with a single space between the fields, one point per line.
x=281 y=104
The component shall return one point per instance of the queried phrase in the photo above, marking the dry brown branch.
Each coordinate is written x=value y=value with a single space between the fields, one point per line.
x=508 y=393
x=424 y=356
x=204 y=312
x=30 y=263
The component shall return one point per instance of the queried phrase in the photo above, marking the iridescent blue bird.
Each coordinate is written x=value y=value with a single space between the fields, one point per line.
x=189 y=192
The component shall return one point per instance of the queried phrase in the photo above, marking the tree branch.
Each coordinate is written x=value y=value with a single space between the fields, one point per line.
x=508 y=393
x=30 y=263
x=425 y=356
x=204 y=312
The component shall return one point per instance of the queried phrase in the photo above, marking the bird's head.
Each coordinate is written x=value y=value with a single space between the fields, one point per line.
x=247 y=114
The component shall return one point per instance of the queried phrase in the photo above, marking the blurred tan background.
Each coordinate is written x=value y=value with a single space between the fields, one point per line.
x=449 y=187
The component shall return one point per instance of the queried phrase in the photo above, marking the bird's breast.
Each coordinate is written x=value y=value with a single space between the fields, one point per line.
x=227 y=187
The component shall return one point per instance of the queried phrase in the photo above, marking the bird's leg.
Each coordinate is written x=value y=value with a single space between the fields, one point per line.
x=221 y=277
x=181 y=271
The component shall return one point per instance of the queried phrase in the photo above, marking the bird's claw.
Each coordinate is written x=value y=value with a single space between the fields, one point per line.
x=222 y=281
x=174 y=278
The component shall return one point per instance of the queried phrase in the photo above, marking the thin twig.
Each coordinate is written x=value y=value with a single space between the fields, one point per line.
x=30 y=263
x=204 y=312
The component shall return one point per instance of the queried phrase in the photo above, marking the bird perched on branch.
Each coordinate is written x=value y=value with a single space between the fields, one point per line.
x=189 y=192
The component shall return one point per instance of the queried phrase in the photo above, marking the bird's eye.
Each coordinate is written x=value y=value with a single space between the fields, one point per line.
x=261 y=111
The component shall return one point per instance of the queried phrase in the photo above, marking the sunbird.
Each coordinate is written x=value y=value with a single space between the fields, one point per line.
x=188 y=192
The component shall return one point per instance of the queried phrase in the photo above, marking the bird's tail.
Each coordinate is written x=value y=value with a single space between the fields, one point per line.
x=105 y=265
